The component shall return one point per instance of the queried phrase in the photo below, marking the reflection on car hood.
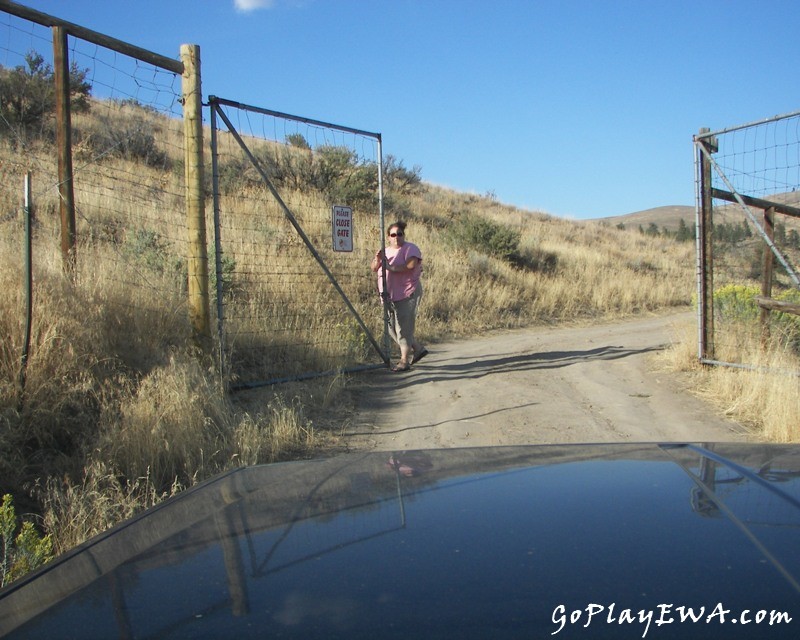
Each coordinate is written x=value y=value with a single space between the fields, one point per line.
x=537 y=541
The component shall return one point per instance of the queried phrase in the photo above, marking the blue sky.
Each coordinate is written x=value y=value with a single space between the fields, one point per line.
x=579 y=108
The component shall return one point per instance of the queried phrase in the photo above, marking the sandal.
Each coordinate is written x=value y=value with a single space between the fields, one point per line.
x=421 y=355
x=401 y=366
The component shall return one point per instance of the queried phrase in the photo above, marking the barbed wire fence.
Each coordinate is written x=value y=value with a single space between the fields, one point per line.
x=748 y=222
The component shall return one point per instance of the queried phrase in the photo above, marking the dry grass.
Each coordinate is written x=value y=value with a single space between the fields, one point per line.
x=764 y=397
x=119 y=412
x=600 y=271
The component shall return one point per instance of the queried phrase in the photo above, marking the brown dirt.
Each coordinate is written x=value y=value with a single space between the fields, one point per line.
x=594 y=383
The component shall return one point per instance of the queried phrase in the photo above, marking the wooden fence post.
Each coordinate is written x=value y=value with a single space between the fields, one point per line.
x=64 y=148
x=197 y=253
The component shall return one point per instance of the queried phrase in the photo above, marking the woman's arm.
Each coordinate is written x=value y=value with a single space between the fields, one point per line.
x=408 y=266
x=376 y=260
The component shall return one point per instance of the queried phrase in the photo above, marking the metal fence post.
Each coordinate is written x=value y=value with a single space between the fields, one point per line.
x=26 y=346
x=705 y=248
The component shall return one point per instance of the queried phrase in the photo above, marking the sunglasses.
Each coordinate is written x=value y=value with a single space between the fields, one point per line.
x=394 y=235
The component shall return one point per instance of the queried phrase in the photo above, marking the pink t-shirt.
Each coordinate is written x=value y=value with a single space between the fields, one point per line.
x=401 y=285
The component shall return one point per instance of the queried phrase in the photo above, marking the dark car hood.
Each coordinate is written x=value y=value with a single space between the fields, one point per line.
x=458 y=543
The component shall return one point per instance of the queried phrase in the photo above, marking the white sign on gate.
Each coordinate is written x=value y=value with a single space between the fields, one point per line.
x=342 y=227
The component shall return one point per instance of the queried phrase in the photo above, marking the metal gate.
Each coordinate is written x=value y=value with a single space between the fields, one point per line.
x=298 y=215
x=748 y=232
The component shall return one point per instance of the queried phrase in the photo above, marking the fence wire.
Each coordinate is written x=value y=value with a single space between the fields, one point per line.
x=755 y=165
x=291 y=303
x=128 y=159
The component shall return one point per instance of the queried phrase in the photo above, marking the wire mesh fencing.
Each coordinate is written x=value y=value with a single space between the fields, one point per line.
x=297 y=210
x=126 y=130
x=752 y=239
x=298 y=218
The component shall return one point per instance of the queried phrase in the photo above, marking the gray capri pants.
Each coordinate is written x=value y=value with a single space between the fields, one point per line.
x=403 y=318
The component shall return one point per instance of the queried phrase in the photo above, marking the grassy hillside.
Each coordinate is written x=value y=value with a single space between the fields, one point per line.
x=119 y=413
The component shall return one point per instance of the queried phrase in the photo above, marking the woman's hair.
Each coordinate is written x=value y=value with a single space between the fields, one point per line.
x=398 y=225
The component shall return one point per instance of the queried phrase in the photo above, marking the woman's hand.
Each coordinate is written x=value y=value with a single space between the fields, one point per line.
x=377 y=260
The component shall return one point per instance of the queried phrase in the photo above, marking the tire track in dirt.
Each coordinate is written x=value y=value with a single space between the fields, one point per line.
x=582 y=384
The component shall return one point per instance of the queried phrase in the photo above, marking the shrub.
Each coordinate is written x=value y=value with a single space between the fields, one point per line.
x=490 y=238
x=24 y=551
x=130 y=137
x=231 y=174
x=400 y=179
x=149 y=249
x=298 y=140
x=340 y=176
x=228 y=269
x=736 y=303
x=537 y=260
x=27 y=93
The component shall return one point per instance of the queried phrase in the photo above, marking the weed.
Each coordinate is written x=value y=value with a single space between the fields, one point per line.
x=23 y=548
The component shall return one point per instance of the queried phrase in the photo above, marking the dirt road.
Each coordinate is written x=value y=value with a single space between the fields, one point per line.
x=536 y=386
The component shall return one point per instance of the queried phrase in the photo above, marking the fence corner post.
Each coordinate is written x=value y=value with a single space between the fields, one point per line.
x=197 y=252
x=705 y=225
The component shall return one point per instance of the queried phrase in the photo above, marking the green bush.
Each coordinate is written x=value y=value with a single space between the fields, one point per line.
x=27 y=93
x=23 y=552
x=334 y=171
x=298 y=140
x=149 y=249
x=400 y=180
x=490 y=238
x=228 y=269
x=736 y=303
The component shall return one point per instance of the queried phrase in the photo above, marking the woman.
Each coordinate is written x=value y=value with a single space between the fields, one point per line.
x=402 y=265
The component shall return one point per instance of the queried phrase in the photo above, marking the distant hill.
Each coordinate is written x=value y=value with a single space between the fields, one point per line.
x=668 y=217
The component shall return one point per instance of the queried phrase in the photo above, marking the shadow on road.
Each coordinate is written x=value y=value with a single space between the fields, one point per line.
x=471 y=368
x=385 y=390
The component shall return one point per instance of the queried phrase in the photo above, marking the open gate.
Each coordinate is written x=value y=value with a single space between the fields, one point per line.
x=298 y=215
x=748 y=233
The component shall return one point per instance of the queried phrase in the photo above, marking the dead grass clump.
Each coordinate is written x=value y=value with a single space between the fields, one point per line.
x=766 y=397
x=681 y=355
x=172 y=424
x=177 y=422
x=175 y=430
x=76 y=510
x=280 y=433
x=60 y=396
